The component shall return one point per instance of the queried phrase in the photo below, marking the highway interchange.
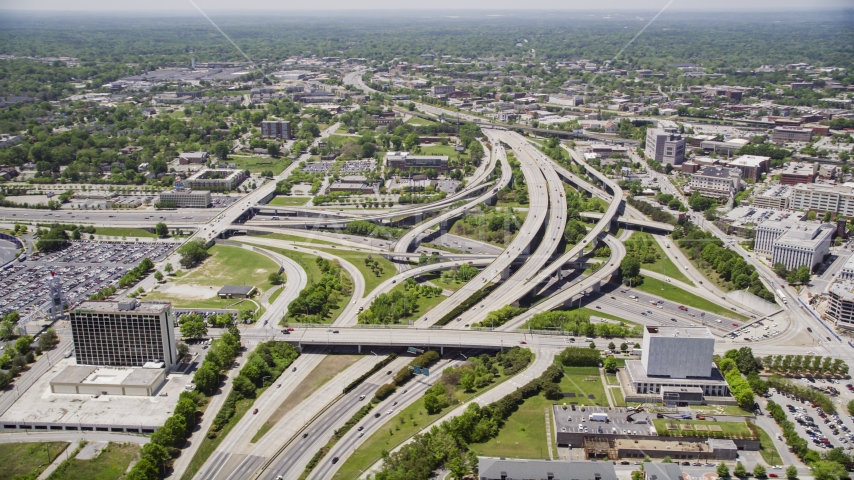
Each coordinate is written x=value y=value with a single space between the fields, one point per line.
x=529 y=262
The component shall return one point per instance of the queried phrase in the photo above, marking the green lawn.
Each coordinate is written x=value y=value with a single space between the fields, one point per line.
x=124 y=232
x=226 y=266
x=730 y=429
x=420 y=121
x=767 y=449
x=523 y=434
x=286 y=201
x=583 y=382
x=619 y=399
x=260 y=164
x=275 y=295
x=678 y=295
x=401 y=427
x=424 y=305
x=110 y=464
x=436 y=279
x=663 y=264
x=598 y=313
x=372 y=280
x=733 y=410
x=295 y=238
x=28 y=459
x=439 y=149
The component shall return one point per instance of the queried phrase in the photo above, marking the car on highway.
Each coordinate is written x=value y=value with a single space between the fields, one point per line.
x=523 y=342
x=254 y=411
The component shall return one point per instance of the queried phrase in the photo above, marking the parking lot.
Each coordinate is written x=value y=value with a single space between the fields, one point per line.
x=822 y=430
x=757 y=331
x=353 y=167
x=620 y=421
x=83 y=268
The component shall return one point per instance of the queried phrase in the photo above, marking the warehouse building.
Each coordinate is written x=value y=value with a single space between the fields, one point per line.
x=125 y=381
x=518 y=469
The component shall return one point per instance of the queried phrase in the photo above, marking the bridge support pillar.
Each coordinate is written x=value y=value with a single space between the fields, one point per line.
x=505 y=274
x=442 y=351
x=595 y=286
x=360 y=348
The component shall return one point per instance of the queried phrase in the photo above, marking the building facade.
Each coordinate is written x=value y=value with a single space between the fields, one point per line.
x=791 y=134
x=752 y=166
x=215 y=179
x=404 y=162
x=798 y=172
x=716 y=182
x=823 y=198
x=124 y=334
x=186 y=198
x=665 y=146
x=775 y=196
x=276 y=129
x=840 y=308
x=804 y=244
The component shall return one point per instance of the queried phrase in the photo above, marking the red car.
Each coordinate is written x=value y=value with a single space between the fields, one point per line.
x=290 y=329
x=254 y=411
x=734 y=324
x=523 y=342
x=773 y=475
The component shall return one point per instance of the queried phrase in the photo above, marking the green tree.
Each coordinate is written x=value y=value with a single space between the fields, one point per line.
x=811 y=215
x=610 y=364
x=666 y=459
x=759 y=471
x=158 y=276
x=431 y=403
x=220 y=149
x=168 y=268
x=48 y=339
x=183 y=349
x=206 y=378
x=193 y=252
x=194 y=329
x=467 y=381
x=22 y=344
x=273 y=150
x=275 y=278
x=7 y=329
x=243 y=386
x=630 y=267
x=161 y=229
x=722 y=470
x=827 y=470
x=739 y=470
x=791 y=472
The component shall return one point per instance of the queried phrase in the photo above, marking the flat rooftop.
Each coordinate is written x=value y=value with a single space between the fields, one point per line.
x=659 y=445
x=682 y=332
x=638 y=374
x=39 y=405
x=92 y=375
x=93 y=306
x=845 y=289
x=806 y=234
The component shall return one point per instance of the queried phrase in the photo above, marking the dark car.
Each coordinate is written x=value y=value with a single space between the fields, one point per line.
x=334 y=459
x=377 y=415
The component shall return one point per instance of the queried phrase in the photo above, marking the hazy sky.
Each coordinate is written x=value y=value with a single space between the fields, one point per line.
x=155 y=6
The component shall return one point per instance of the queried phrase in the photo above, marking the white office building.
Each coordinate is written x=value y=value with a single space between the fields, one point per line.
x=775 y=196
x=716 y=182
x=840 y=308
x=794 y=243
x=824 y=198
x=186 y=198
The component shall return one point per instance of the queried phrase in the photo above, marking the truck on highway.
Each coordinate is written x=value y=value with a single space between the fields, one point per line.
x=781 y=295
x=598 y=417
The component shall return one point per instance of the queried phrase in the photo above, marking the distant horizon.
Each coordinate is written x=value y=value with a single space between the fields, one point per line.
x=340 y=7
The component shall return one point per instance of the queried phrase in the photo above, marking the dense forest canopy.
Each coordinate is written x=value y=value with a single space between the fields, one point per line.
x=715 y=40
